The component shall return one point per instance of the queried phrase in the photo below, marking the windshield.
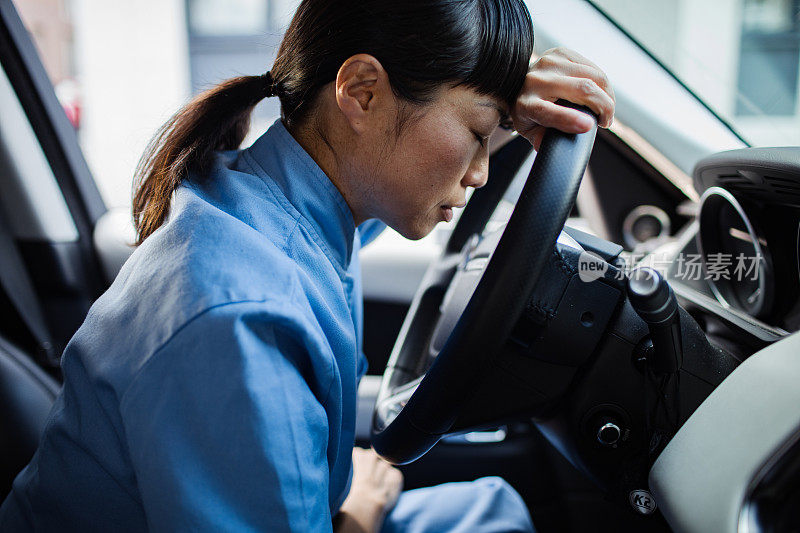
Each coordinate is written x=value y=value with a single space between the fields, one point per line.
x=740 y=57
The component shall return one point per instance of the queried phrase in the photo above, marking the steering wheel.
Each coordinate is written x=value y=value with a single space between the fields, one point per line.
x=467 y=305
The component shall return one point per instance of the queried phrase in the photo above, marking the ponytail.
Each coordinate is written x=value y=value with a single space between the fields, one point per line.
x=217 y=119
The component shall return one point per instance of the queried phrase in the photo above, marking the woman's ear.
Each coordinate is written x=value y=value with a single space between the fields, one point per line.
x=363 y=91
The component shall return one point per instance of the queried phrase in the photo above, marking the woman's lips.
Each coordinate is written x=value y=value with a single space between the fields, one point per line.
x=447 y=213
x=448 y=210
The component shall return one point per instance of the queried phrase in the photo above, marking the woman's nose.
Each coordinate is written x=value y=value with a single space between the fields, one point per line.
x=478 y=172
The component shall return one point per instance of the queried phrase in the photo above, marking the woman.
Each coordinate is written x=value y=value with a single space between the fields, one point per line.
x=213 y=386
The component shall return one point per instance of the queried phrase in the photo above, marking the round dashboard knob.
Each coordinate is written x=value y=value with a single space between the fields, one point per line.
x=609 y=434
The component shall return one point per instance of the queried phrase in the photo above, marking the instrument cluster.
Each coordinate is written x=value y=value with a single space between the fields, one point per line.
x=748 y=238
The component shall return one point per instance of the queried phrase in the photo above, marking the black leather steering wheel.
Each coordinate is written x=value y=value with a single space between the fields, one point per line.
x=439 y=361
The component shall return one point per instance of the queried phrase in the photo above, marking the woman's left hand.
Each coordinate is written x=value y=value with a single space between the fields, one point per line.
x=561 y=73
x=374 y=490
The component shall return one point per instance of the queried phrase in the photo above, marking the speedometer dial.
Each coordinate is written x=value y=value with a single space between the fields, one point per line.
x=736 y=259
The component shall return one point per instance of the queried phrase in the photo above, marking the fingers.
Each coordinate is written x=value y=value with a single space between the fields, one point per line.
x=570 y=55
x=550 y=115
x=592 y=72
x=394 y=485
x=562 y=73
x=373 y=471
x=580 y=90
x=366 y=462
x=374 y=479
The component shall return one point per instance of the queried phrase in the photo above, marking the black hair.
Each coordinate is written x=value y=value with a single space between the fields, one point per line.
x=422 y=45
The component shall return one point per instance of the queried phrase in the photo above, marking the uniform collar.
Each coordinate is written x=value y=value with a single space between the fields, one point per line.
x=322 y=208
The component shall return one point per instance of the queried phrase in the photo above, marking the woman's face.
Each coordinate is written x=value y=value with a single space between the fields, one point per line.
x=416 y=178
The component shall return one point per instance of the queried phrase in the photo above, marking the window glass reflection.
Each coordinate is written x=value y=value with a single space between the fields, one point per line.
x=228 y=17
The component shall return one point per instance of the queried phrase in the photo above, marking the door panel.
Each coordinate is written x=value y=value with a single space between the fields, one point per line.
x=56 y=241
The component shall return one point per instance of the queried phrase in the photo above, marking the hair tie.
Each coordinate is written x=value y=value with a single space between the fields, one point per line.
x=268 y=85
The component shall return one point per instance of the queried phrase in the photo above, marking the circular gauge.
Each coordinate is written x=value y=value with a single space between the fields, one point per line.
x=643 y=223
x=735 y=256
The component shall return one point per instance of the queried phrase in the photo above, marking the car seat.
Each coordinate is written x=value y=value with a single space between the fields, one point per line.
x=26 y=395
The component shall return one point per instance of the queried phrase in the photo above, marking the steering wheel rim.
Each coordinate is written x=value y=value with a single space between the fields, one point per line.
x=411 y=415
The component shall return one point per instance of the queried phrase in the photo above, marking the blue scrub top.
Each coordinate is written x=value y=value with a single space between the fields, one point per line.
x=213 y=386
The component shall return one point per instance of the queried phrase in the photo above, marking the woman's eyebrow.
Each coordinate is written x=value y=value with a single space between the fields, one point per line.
x=494 y=105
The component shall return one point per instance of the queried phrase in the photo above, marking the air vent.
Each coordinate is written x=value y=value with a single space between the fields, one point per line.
x=744 y=186
x=784 y=184
x=778 y=188
x=733 y=179
x=740 y=184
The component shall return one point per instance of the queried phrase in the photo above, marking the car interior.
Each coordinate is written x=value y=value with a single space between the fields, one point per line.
x=581 y=330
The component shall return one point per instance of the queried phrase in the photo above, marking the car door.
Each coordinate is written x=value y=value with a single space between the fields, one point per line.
x=49 y=274
x=49 y=205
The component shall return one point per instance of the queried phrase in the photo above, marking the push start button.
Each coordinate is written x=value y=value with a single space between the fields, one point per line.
x=609 y=434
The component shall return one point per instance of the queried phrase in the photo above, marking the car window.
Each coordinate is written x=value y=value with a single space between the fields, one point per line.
x=31 y=202
x=741 y=58
x=120 y=69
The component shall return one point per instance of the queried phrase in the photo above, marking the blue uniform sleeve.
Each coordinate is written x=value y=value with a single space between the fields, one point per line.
x=369 y=230
x=225 y=429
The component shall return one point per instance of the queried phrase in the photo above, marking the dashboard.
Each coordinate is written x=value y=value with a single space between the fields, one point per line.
x=740 y=259
x=736 y=269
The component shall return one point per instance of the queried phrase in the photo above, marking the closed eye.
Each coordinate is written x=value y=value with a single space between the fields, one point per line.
x=481 y=138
